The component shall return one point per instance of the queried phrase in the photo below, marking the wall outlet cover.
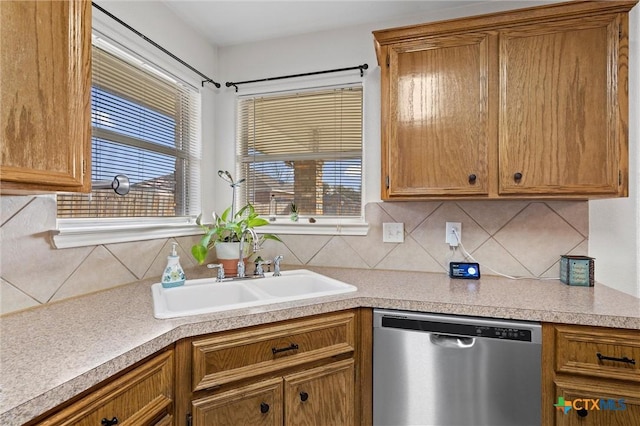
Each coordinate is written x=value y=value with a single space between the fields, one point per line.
x=450 y=237
x=393 y=232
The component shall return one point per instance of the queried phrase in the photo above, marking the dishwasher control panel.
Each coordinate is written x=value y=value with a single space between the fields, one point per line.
x=504 y=333
x=469 y=330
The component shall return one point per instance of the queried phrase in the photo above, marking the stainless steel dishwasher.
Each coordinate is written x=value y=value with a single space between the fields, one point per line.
x=452 y=370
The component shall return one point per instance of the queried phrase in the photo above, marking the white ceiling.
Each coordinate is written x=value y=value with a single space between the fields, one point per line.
x=227 y=23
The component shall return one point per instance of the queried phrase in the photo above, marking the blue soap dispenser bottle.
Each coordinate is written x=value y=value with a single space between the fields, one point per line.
x=173 y=275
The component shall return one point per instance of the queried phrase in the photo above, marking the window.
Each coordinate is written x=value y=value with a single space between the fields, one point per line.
x=145 y=125
x=303 y=148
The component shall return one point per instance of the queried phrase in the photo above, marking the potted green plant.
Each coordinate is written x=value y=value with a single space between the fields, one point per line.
x=229 y=229
x=293 y=209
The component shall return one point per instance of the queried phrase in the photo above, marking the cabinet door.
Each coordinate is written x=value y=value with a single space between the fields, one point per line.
x=560 y=110
x=597 y=403
x=45 y=88
x=438 y=117
x=142 y=397
x=256 y=404
x=321 y=396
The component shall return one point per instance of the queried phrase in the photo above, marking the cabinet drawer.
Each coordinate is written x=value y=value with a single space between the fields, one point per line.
x=144 y=396
x=577 y=350
x=228 y=357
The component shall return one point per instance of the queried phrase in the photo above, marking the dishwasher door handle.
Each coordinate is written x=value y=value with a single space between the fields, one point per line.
x=447 y=341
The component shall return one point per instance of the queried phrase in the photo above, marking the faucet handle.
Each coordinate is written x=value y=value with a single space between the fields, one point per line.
x=259 y=271
x=276 y=265
x=220 y=268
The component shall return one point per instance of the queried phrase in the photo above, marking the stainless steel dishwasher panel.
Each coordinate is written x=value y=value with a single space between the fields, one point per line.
x=435 y=370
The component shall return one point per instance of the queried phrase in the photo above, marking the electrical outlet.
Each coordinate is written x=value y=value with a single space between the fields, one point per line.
x=450 y=236
x=393 y=232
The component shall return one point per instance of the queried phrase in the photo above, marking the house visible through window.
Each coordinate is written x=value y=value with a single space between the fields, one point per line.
x=145 y=125
x=303 y=148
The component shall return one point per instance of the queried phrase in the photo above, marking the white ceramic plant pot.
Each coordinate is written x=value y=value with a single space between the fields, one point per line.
x=227 y=255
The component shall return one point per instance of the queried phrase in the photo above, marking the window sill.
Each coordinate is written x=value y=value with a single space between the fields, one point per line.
x=320 y=227
x=90 y=232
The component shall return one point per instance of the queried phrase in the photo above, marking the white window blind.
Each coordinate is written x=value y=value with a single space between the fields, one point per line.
x=145 y=125
x=303 y=148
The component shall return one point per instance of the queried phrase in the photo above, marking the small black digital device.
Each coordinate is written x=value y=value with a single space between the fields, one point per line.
x=465 y=270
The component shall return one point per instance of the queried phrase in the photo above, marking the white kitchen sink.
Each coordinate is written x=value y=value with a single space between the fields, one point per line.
x=301 y=284
x=205 y=295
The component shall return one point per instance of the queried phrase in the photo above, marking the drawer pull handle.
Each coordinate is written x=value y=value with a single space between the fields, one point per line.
x=304 y=396
x=264 y=407
x=107 y=422
x=610 y=358
x=291 y=347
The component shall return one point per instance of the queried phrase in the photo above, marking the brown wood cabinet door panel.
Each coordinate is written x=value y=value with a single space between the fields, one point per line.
x=45 y=94
x=577 y=349
x=256 y=404
x=559 y=109
x=604 y=404
x=154 y=413
x=229 y=357
x=165 y=421
x=321 y=396
x=144 y=396
x=439 y=116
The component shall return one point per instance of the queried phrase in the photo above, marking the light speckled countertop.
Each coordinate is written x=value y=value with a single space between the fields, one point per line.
x=54 y=352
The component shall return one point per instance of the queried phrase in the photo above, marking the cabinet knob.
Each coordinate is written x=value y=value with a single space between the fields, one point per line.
x=472 y=178
x=264 y=407
x=582 y=412
x=107 y=422
x=304 y=396
x=517 y=176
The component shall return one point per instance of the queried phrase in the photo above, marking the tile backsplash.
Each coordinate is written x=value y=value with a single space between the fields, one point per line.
x=522 y=238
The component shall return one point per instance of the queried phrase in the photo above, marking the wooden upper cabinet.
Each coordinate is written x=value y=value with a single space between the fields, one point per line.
x=521 y=104
x=439 y=124
x=45 y=83
x=559 y=110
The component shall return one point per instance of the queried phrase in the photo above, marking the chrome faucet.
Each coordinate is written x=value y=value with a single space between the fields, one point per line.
x=254 y=237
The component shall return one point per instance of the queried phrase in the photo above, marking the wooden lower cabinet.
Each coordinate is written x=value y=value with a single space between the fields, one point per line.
x=142 y=397
x=307 y=371
x=592 y=371
x=319 y=396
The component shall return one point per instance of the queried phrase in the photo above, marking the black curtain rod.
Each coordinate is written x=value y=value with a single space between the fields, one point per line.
x=359 y=67
x=138 y=33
